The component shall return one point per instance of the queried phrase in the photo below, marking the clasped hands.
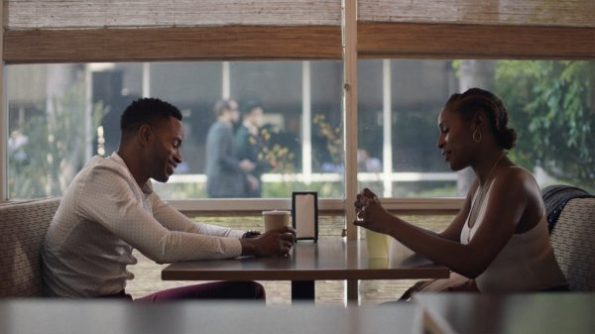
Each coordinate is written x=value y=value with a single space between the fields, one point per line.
x=369 y=212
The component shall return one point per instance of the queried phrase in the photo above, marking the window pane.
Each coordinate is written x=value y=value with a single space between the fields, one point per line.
x=543 y=98
x=61 y=115
x=327 y=121
x=47 y=134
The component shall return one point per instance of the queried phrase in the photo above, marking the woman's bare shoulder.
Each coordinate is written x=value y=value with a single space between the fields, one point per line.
x=516 y=173
x=515 y=179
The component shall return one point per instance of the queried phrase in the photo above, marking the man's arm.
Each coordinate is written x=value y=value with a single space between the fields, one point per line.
x=253 y=243
x=118 y=210
x=174 y=220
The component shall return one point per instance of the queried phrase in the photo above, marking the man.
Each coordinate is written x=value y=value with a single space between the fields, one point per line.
x=110 y=208
x=225 y=173
x=250 y=145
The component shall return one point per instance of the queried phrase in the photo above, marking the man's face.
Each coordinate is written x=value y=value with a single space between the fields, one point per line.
x=255 y=116
x=234 y=113
x=165 y=150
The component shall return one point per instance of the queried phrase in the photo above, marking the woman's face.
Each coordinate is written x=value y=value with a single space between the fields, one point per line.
x=455 y=138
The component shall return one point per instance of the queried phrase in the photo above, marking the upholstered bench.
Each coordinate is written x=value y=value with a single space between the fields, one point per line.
x=573 y=239
x=23 y=225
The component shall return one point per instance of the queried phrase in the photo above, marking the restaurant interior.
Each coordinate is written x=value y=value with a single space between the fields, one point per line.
x=349 y=92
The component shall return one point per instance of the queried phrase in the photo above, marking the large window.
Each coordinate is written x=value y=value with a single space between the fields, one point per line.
x=62 y=114
x=550 y=105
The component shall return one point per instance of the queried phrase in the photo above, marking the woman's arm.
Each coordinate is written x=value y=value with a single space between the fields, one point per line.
x=506 y=203
x=452 y=231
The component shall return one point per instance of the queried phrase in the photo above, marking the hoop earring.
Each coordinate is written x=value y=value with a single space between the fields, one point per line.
x=477 y=136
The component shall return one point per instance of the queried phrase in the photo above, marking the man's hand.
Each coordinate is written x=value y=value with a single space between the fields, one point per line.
x=269 y=243
x=252 y=182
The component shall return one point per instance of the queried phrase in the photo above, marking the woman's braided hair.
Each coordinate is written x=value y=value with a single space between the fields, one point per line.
x=476 y=100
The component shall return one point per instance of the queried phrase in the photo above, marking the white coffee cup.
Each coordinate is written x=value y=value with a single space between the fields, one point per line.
x=275 y=220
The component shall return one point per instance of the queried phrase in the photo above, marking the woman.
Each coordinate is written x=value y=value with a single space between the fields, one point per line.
x=499 y=241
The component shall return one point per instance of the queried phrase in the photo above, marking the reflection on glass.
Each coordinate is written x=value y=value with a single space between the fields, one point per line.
x=400 y=99
x=62 y=114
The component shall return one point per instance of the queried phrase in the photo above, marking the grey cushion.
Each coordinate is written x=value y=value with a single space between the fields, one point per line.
x=573 y=240
x=23 y=226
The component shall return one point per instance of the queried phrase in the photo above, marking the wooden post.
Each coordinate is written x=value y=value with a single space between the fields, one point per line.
x=3 y=118
x=349 y=38
x=350 y=111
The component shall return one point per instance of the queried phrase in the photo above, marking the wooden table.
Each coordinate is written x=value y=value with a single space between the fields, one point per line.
x=47 y=316
x=329 y=259
x=514 y=313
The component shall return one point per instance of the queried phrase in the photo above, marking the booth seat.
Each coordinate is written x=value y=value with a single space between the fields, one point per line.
x=23 y=225
x=573 y=239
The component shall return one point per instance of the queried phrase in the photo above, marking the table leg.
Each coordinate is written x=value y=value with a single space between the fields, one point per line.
x=302 y=290
x=352 y=291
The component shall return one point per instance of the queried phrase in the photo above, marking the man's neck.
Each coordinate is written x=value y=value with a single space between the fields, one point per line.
x=135 y=166
x=225 y=121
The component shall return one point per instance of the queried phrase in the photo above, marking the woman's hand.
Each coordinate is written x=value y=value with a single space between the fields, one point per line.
x=370 y=213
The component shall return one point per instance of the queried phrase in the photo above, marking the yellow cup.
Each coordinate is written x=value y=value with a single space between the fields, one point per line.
x=377 y=244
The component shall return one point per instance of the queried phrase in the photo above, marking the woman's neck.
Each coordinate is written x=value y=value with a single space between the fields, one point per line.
x=486 y=170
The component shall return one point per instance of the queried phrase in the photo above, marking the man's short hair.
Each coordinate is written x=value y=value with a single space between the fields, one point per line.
x=221 y=105
x=147 y=111
x=251 y=105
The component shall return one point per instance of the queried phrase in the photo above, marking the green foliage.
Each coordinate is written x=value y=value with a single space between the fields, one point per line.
x=332 y=138
x=551 y=108
x=55 y=149
x=275 y=156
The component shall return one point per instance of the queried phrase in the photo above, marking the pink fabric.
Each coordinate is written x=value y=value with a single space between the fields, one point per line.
x=214 y=290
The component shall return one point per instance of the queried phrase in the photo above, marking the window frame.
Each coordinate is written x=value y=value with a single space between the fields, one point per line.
x=354 y=39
